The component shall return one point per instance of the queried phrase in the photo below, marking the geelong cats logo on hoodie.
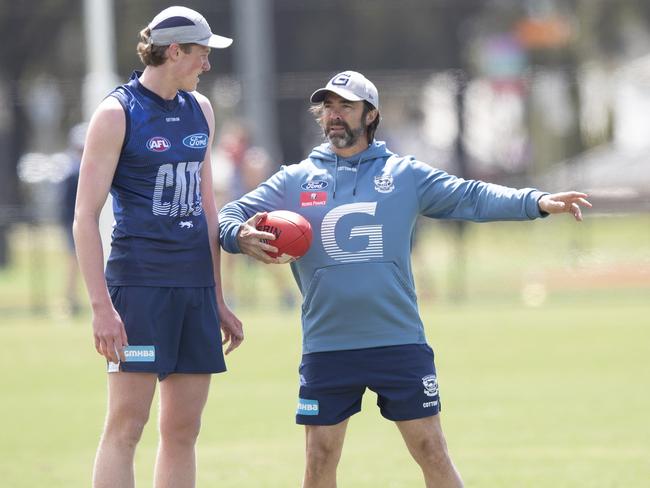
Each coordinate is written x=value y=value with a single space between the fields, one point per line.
x=384 y=183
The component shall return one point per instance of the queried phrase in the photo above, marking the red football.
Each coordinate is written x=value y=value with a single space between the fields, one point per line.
x=292 y=234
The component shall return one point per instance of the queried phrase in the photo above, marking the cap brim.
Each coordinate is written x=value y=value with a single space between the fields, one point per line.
x=218 y=42
x=320 y=94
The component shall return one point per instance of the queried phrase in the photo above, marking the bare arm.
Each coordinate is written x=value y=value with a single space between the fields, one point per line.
x=231 y=326
x=98 y=164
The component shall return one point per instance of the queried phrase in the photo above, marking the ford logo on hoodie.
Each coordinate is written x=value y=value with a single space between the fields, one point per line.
x=314 y=185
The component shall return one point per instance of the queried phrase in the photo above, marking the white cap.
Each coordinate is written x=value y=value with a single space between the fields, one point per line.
x=350 y=85
x=182 y=25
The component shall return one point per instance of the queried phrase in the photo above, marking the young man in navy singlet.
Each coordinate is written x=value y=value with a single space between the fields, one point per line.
x=360 y=320
x=158 y=310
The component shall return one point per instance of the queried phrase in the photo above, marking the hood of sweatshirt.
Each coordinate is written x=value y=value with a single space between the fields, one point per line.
x=324 y=153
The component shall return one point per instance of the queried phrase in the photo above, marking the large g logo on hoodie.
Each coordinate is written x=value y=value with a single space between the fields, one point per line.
x=375 y=247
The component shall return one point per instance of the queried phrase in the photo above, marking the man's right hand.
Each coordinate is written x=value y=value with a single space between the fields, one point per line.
x=251 y=240
x=110 y=334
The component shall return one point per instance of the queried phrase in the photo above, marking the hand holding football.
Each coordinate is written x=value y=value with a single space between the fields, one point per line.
x=293 y=234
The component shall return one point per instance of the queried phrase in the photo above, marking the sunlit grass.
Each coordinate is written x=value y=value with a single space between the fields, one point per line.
x=553 y=393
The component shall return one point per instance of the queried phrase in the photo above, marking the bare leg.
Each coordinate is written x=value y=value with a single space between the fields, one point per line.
x=129 y=401
x=427 y=445
x=324 y=444
x=182 y=398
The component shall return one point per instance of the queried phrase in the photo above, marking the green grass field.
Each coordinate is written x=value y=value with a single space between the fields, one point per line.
x=555 y=394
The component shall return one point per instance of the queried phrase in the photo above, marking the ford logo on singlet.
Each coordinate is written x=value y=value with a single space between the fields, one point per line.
x=196 y=141
x=158 y=144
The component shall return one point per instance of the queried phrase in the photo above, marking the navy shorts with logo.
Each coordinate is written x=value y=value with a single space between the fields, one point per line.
x=333 y=383
x=169 y=330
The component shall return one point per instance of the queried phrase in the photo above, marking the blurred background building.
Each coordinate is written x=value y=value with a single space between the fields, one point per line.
x=546 y=93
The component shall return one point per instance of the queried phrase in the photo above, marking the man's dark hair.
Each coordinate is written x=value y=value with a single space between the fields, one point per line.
x=372 y=127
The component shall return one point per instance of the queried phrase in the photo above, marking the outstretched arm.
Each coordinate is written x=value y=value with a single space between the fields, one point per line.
x=445 y=196
x=569 y=201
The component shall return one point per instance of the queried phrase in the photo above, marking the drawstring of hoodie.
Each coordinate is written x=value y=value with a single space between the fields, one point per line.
x=356 y=175
x=336 y=174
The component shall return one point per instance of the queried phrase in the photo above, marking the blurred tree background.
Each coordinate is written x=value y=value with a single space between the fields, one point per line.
x=546 y=93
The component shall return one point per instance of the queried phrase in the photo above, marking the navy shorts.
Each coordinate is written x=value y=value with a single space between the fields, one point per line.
x=333 y=383
x=169 y=330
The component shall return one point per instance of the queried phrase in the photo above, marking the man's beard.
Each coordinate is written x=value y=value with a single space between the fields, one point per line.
x=342 y=141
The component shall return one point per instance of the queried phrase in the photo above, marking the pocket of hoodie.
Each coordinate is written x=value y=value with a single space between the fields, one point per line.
x=401 y=279
x=340 y=280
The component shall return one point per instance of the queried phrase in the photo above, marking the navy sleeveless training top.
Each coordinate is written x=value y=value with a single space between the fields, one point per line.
x=160 y=235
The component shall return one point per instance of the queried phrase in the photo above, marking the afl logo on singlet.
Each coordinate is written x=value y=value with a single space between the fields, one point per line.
x=196 y=141
x=158 y=144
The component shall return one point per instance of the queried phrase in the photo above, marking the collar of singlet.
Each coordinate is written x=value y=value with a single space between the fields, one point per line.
x=166 y=104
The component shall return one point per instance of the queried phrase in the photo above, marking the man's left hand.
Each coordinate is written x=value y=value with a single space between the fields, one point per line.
x=231 y=328
x=569 y=201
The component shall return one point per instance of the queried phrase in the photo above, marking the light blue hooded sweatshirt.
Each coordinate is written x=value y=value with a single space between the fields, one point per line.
x=356 y=279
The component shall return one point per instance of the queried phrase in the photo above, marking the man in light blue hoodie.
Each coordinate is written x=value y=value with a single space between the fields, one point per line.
x=360 y=320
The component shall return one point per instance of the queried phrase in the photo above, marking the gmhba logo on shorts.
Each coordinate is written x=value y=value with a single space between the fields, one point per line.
x=307 y=407
x=140 y=354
